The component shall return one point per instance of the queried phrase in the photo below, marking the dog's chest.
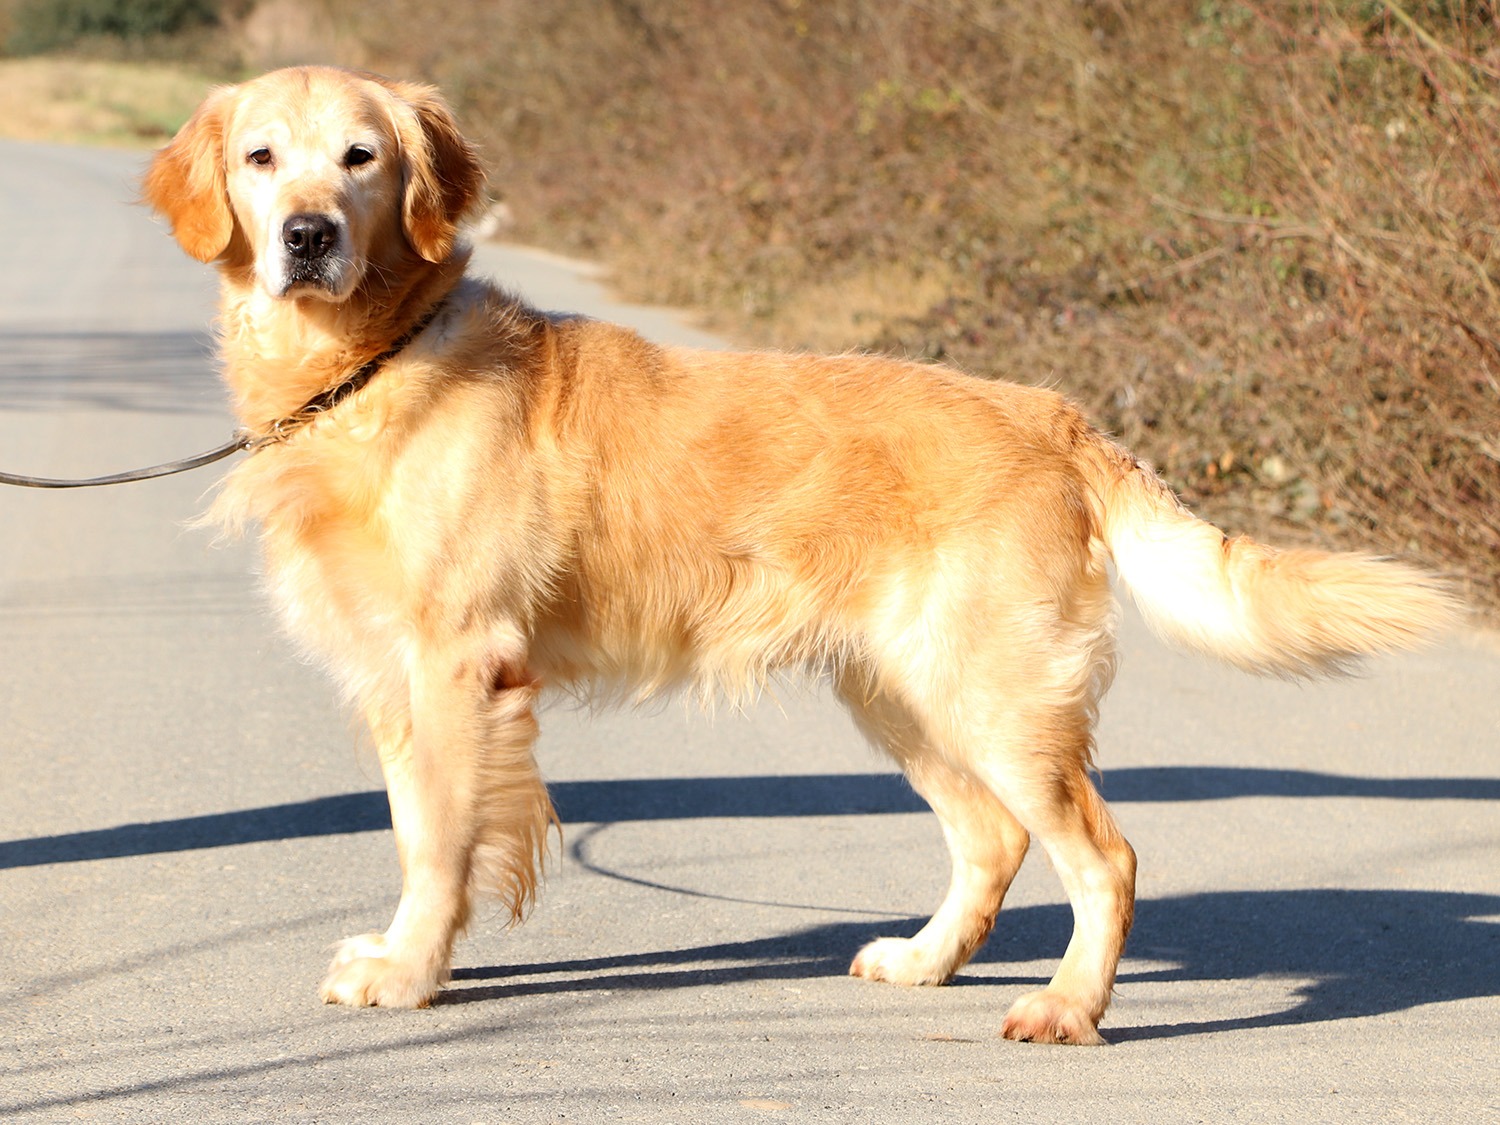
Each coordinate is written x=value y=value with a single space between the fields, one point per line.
x=331 y=567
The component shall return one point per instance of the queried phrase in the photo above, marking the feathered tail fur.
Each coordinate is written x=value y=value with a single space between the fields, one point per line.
x=1290 y=613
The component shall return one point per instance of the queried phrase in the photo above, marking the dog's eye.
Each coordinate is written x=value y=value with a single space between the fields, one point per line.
x=260 y=157
x=357 y=155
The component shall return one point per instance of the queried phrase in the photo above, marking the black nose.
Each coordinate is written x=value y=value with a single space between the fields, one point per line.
x=309 y=236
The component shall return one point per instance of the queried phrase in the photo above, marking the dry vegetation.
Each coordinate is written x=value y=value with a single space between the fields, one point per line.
x=1259 y=241
x=94 y=101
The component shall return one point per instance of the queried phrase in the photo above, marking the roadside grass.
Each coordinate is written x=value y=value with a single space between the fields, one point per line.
x=95 y=101
x=1258 y=241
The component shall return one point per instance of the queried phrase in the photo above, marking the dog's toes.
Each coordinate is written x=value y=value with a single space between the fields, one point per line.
x=1049 y=1017
x=900 y=961
x=366 y=974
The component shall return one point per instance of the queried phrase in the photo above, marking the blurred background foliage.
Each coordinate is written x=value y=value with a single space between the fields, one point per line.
x=1257 y=240
x=47 y=25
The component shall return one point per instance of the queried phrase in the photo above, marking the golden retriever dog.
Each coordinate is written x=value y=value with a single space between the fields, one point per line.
x=463 y=500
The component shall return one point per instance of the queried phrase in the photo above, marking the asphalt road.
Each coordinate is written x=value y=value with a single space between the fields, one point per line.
x=188 y=822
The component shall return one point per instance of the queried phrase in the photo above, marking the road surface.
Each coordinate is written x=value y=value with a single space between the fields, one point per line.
x=188 y=822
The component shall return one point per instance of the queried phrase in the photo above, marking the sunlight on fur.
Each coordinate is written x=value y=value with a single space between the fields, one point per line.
x=499 y=500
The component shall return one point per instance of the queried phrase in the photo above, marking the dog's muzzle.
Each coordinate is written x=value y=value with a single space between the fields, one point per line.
x=312 y=243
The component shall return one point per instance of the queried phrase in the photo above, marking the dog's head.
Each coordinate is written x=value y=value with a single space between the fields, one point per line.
x=312 y=177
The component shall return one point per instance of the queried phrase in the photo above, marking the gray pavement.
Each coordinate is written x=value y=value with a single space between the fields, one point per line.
x=188 y=822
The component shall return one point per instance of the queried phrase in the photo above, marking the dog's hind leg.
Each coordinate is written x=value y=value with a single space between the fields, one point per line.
x=995 y=727
x=986 y=843
x=470 y=814
x=1037 y=765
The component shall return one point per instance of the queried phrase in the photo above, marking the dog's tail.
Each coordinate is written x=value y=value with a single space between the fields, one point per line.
x=1286 y=613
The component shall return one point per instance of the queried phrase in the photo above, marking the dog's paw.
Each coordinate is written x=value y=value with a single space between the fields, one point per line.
x=1050 y=1017
x=366 y=973
x=900 y=961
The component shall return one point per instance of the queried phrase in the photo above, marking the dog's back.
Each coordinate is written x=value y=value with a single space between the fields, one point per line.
x=462 y=500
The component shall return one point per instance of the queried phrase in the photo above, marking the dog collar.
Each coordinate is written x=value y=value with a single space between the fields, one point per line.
x=284 y=428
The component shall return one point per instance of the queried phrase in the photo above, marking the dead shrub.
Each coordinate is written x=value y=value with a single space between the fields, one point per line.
x=1258 y=240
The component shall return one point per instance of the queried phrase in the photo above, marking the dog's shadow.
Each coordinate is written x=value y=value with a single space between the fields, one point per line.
x=1355 y=953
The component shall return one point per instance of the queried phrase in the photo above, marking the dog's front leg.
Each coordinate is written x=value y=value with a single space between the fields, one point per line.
x=470 y=814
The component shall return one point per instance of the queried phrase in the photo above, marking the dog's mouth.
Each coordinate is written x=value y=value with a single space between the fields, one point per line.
x=311 y=279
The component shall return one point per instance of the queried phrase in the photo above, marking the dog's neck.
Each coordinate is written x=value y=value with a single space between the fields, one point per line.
x=280 y=353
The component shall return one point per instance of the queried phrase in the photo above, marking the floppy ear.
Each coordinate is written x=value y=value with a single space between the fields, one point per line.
x=185 y=181
x=444 y=179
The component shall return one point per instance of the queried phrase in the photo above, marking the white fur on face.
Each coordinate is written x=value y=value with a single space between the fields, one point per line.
x=336 y=164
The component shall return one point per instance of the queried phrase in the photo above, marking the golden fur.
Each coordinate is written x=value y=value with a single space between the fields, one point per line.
x=518 y=499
